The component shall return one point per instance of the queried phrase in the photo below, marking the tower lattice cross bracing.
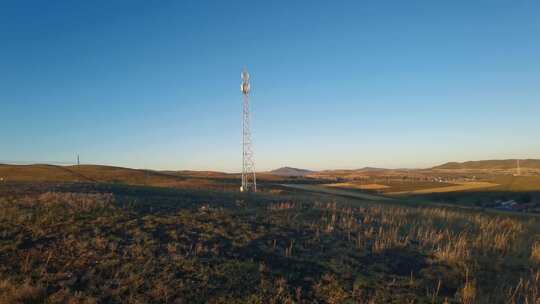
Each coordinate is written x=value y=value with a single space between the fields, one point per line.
x=249 y=180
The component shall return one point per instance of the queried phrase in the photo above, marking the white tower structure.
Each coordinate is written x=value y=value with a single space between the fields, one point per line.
x=249 y=181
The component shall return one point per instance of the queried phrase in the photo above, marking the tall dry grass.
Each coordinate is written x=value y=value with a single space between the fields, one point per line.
x=77 y=202
x=526 y=291
x=448 y=236
x=451 y=236
x=535 y=252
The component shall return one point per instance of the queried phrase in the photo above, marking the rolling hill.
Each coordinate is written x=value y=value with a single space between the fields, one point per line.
x=505 y=164
x=118 y=175
x=101 y=174
x=289 y=171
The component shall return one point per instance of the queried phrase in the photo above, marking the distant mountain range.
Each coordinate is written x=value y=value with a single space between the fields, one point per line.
x=371 y=169
x=289 y=171
x=109 y=174
x=504 y=164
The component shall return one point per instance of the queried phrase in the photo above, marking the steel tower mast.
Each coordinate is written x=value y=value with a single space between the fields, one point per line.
x=249 y=181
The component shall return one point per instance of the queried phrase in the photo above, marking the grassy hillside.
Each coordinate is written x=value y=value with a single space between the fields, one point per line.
x=109 y=174
x=102 y=174
x=38 y=173
x=506 y=164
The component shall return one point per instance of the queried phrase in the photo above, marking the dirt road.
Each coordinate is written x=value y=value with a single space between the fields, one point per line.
x=371 y=197
x=340 y=192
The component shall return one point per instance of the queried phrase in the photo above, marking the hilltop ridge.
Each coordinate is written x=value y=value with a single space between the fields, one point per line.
x=290 y=171
x=504 y=164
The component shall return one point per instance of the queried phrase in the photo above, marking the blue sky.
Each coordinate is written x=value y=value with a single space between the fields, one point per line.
x=336 y=84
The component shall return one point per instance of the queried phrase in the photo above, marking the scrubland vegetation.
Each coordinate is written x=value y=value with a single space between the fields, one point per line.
x=90 y=243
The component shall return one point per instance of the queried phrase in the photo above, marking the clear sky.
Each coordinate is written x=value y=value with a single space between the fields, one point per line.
x=336 y=84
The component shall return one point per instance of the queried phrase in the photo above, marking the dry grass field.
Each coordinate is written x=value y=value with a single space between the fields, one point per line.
x=461 y=186
x=358 y=186
x=479 y=187
x=517 y=183
x=109 y=174
x=337 y=191
x=112 y=243
x=119 y=175
x=95 y=234
x=95 y=173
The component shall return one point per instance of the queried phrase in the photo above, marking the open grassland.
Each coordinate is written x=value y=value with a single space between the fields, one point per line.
x=405 y=185
x=402 y=185
x=522 y=189
x=390 y=185
x=336 y=191
x=88 y=243
x=119 y=175
x=495 y=164
x=358 y=186
x=484 y=191
x=517 y=183
x=462 y=186
x=100 y=174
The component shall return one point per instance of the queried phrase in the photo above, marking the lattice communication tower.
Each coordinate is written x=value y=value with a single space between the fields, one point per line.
x=249 y=180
